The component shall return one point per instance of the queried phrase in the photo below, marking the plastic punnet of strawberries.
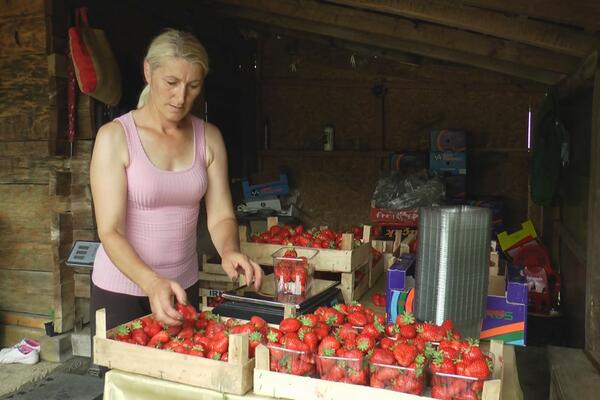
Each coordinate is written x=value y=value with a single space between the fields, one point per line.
x=293 y=273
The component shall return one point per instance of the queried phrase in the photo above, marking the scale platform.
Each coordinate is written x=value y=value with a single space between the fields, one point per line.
x=245 y=301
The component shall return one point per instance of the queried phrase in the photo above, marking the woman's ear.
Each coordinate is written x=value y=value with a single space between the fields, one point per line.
x=147 y=72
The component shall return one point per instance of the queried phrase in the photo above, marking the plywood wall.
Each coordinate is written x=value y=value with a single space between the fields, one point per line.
x=306 y=86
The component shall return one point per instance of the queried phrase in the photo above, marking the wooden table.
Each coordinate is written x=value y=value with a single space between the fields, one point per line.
x=119 y=385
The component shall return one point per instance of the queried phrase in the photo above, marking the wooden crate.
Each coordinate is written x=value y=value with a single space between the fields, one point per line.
x=376 y=270
x=331 y=260
x=210 y=266
x=218 y=281
x=353 y=288
x=233 y=376
x=286 y=386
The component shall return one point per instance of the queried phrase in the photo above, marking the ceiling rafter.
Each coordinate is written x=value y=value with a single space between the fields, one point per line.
x=329 y=25
x=536 y=33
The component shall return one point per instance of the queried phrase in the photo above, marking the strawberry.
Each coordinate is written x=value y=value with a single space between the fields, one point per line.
x=387 y=343
x=372 y=330
x=254 y=339
x=382 y=356
x=477 y=369
x=365 y=343
x=123 y=333
x=345 y=331
x=405 y=354
x=357 y=318
x=472 y=353
x=159 y=339
x=430 y=332
x=173 y=330
x=442 y=364
x=328 y=346
x=332 y=317
x=274 y=335
x=310 y=338
x=197 y=350
x=137 y=333
x=309 y=320
x=186 y=333
x=321 y=330
x=219 y=342
x=243 y=328
x=289 y=325
x=187 y=311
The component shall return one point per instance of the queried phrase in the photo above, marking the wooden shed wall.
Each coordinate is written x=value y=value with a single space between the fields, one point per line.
x=37 y=188
x=325 y=88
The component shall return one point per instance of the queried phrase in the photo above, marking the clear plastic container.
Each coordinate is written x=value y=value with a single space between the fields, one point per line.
x=458 y=387
x=343 y=369
x=291 y=361
x=293 y=272
x=397 y=378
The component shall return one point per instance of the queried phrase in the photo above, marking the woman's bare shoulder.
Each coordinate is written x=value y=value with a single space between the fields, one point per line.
x=111 y=137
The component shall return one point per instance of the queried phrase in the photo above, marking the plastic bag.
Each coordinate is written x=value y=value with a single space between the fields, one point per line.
x=399 y=191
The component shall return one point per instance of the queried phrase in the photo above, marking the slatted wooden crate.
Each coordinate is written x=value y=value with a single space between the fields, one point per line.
x=234 y=376
x=286 y=386
x=356 y=283
x=218 y=281
x=211 y=265
x=346 y=260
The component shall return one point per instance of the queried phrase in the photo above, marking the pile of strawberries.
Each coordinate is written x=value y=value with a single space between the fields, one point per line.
x=201 y=334
x=316 y=238
x=292 y=273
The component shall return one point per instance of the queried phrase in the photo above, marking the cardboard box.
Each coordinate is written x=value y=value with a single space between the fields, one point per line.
x=395 y=218
x=448 y=140
x=448 y=162
x=259 y=191
x=506 y=314
x=272 y=203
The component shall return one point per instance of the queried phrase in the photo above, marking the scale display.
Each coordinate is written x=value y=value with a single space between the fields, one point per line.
x=83 y=254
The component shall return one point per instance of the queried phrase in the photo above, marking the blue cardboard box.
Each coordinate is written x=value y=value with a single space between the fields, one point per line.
x=448 y=162
x=266 y=190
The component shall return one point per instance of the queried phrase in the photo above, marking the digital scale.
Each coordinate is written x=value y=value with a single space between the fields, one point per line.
x=245 y=301
x=82 y=254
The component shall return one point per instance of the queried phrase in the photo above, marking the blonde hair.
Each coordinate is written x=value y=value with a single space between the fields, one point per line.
x=173 y=43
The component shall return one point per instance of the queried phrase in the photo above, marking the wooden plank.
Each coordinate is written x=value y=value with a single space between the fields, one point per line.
x=23 y=319
x=211 y=267
x=23 y=35
x=19 y=70
x=592 y=292
x=353 y=287
x=376 y=271
x=25 y=214
x=82 y=285
x=27 y=121
x=234 y=376
x=511 y=27
x=57 y=117
x=26 y=256
x=580 y=77
x=585 y=14
x=26 y=291
x=17 y=8
x=402 y=35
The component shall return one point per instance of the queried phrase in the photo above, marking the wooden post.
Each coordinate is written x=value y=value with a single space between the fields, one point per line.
x=101 y=323
x=366 y=233
x=238 y=349
x=261 y=354
x=347 y=241
x=592 y=297
x=272 y=221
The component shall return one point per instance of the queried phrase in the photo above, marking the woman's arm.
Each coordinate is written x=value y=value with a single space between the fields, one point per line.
x=109 y=191
x=221 y=221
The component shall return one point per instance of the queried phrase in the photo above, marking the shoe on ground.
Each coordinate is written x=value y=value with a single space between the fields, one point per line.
x=31 y=343
x=22 y=354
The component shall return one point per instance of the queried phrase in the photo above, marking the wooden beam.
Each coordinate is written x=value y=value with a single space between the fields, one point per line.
x=368 y=51
x=592 y=293
x=562 y=40
x=343 y=30
x=583 y=13
x=426 y=39
x=581 y=77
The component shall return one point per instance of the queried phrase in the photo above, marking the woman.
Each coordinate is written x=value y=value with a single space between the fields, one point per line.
x=149 y=171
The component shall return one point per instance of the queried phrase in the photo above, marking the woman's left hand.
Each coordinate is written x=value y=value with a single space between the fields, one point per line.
x=234 y=263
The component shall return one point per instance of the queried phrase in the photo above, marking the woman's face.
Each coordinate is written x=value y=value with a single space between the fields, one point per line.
x=174 y=86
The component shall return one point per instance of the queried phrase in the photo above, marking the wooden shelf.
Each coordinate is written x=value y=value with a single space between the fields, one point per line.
x=322 y=153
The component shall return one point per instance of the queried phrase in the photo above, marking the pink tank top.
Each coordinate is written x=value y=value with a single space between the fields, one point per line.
x=162 y=213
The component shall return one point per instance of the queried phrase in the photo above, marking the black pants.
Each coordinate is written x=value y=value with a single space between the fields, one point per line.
x=121 y=308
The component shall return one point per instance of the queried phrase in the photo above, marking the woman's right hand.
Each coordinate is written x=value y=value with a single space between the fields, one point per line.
x=162 y=293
